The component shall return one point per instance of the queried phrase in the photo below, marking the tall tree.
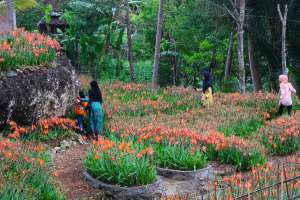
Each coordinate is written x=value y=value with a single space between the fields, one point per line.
x=228 y=66
x=241 y=22
x=256 y=80
x=11 y=13
x=283 y=19
x=238 y=15
x=160 y=16
x=129 y=42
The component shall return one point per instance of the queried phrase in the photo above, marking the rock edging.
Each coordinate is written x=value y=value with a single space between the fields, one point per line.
x=147 y=192
x=201 y=174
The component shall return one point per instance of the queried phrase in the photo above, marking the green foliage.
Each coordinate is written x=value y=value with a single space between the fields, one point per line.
x=24 y=4
x=53 y=135
x=231 y=85
x=242 y=128
x=117 y=166
x=30 y=18
x=178 y=157
x=47 y=15
x=241 y=160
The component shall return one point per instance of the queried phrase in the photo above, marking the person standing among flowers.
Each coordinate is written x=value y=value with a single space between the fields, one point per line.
x=286 y=91
x=207 y=90
x=81 y=111
x=96 y=111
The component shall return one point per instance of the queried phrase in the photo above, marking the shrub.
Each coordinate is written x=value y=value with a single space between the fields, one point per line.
x=231 y=85
x=282 y=136
x=21 y=48
x=24 y=173
x=179 y=157
x=121 y=163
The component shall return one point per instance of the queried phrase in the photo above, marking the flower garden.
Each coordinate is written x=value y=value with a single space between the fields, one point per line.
x=22 y=49
x=146 y=130
x=169 y=129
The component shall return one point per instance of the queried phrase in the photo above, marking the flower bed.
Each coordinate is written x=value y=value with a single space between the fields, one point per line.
x=21 y=48
x=150 y=191
x=120 y=163
x=24 y=172
x=282 y=136
x=179 y=156
x=214 y=145
x=44 y=129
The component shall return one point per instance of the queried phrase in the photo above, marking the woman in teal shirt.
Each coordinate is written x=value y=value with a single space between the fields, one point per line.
x=96 y=111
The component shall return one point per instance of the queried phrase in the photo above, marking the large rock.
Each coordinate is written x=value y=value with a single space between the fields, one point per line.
x=37 y=93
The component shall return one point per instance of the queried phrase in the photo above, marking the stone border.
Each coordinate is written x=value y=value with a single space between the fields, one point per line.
x=147 y=192
x=201 y=174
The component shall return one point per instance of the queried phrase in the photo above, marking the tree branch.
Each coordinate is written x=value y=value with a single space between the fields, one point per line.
x=280 y=14
x=235 y=18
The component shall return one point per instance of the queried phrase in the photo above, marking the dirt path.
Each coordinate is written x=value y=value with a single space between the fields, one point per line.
x=68 y=166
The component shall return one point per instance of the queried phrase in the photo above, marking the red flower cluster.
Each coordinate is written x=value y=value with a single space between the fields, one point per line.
x=22 y=48
x=44 y=125
x=65 y=123
x=175 y=135
x=115 y=150
x=280 y=130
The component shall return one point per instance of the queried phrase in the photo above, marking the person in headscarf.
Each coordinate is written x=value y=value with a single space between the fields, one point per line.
x=286 y=91
x=207 y=89
x=96 y=111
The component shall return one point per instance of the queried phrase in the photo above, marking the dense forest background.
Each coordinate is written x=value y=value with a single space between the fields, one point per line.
x=197 y=35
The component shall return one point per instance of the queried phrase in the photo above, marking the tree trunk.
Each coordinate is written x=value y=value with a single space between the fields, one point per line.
x=160 y=16
x=283 y=20
x=11 y=14
x=228 y=66
x=108 y=37
x=253 y=66
x=175 y=70
x=242 y=72
x=129 y=43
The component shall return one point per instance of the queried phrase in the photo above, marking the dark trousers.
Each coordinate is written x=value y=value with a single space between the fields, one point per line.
x=80 y=123
x=281 y=108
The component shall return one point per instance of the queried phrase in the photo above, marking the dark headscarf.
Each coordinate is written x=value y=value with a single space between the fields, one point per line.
x=207 y=82
x=95 y=93
x=81 y=94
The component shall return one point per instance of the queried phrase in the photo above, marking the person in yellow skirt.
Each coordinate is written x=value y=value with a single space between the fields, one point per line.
x=207 y=90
